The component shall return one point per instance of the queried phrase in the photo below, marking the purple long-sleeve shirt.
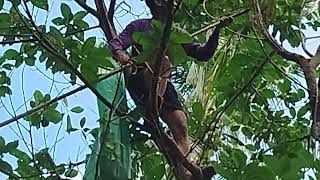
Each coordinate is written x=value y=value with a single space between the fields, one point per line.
x=201 y=52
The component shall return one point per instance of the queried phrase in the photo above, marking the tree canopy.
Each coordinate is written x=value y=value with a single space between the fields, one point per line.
x=252 y=109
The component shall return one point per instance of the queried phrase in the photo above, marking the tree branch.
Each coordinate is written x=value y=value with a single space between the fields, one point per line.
x=111 y=12
x=17 y=41
x=41 y=106
x=315 y=60
x=87 y=8
x=308 y=67
x=212 y=25
x=168 y=147
x=273 y=42
x=46 y=44
x=104 y=20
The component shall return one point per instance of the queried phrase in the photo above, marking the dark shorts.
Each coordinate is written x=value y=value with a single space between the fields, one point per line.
x=139 y=93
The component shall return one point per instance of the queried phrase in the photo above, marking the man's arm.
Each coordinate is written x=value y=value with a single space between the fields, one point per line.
x=124 y=40
x=203 y=52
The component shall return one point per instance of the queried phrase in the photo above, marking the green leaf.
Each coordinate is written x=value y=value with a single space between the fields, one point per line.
x=1 y=4
x=82 y=122
x=69 y=125
x=3 y=148
x=7 y=66
x=302 y=111
x=80 y=36
x=279 y=113
x=71 y=173
x=45 y=123
x=16 y=2
x=66 y=11
x=44 y=159
x=80 y=24
x=235 y=128
x=42 y=4
x=90 y=71
x=88 y=45
x=80 y=15
x=2 y=141
x=268 y=93
x=254 y=171
x=58 y=21
x=179 y=37
x=5 y=20
x=292 y=112
x=99 y=57
x=157 y=26
x=53 y=116
x=251 y=147
x=46 y=98
x=11 y=54
x=198 y=111
x=146 y=39
x=177 y=54
x=4 y=90
x=60 y=169
x=12 y=145
x=239 y=158
x=20 y=155
x=37 y=96
x=4 y=79
x=77 y=109
x=5 y=167
x=246 y=131
x=55 y=33
x=19 y=61
x=301 y=93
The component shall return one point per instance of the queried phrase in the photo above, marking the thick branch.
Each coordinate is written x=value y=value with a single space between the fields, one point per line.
x=104 y=20
x=168 y=147
x=111 y=12
x=87 y=8
x=44 y=105
x=315 y=60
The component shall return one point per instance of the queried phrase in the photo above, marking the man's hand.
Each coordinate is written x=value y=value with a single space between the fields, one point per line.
x=224 y=21
x=122 y=57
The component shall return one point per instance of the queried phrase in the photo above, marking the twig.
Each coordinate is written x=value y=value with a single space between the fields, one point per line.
x=87 y=8
x=17 y=41
x=217 y=22
x=80 y=30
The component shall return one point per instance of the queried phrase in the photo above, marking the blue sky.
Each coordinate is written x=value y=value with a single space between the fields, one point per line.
x=28 y=79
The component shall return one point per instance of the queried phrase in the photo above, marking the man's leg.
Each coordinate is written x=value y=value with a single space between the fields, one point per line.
x=177 y=122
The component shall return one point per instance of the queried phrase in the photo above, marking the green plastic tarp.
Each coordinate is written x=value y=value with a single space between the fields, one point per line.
x=113 y=136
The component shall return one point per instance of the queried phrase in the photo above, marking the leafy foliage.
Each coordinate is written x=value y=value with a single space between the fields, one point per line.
x=252 y=122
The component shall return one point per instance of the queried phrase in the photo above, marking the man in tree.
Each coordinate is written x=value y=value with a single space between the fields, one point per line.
x=171 y=110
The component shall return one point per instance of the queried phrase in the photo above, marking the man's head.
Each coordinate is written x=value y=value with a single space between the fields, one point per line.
x=159 y=9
